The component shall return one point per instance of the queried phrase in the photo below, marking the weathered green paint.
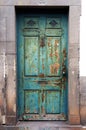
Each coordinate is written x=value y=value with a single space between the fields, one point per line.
x=42 y=67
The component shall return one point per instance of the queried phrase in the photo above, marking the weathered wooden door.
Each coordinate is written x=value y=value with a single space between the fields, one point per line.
x=42 y=67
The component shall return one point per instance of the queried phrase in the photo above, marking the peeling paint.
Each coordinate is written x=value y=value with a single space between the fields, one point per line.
x=54 y=68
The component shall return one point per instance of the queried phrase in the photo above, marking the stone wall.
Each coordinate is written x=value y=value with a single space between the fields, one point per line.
x=83 y=99
x=7 y=63
x=8 y=85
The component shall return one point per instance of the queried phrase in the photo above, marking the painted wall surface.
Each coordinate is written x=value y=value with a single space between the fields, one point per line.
x=8 y=52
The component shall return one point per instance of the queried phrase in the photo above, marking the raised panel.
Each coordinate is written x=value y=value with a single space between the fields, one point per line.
x=30 y=32
x=53 y=32
x=47 y=84
x=42 y=61
x=31 y=101
x=52 y=102
x=53 y=23
x=53 y=56
x=30 y=22
x=31 y=56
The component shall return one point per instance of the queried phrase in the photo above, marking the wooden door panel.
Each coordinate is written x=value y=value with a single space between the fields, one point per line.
x=53 y=32
x=53 y=56
x=42 y=61
x=52 y=102
x=32 y=101
x=31 y=56
x=42 y=52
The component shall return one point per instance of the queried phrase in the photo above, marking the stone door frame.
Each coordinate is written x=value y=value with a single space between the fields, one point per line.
x=9 y=116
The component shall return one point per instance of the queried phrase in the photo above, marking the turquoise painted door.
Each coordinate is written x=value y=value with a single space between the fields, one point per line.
x=42 y=67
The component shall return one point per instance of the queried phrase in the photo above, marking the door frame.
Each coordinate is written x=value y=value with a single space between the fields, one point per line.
x=73 y=69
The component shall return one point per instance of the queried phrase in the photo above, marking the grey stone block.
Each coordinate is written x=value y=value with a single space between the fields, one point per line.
x=73 y=51
x=45 y=128
x=73 y=84
x=73 y=63
x=9 y=13
x=71 y=128
x=11 y=48
x=83 y=114
x=11 y=85
x=83 y=98
x=2 y=48
x=83 y=84
x=2 y=71
x=40 y=2
x=74 y=24
x=2 y=88
x=7 y=48
x=12 y=128
x=3 y=128
x=2 y=29
x=11 y=120
x=62 y=2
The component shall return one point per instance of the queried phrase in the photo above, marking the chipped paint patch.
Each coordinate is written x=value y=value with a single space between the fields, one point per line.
x=54 y=68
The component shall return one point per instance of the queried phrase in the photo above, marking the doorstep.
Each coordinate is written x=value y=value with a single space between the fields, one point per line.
x=43 y=125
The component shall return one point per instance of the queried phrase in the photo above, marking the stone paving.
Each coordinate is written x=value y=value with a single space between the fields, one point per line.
x=46 y=125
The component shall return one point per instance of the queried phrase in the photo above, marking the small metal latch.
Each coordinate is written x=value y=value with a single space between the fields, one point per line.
x=42 y=41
